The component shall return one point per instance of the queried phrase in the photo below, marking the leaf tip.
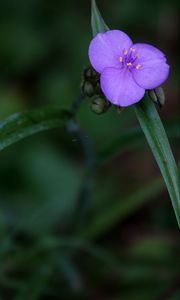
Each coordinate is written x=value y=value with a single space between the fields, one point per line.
x=97 y=22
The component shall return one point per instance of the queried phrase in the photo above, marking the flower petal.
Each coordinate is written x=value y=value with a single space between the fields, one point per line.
x=120 y=88
x=148 y=52
x=153 y=70
x=106 y=48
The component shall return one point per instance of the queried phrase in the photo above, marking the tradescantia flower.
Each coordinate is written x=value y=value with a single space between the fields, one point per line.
x=126 y=69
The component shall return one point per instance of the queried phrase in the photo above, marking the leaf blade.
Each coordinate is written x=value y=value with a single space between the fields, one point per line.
x=156 y=137
x=21 y=125
x=97 y=22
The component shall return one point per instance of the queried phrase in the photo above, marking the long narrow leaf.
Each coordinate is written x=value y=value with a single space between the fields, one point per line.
x=157 y=139
x=21 y=125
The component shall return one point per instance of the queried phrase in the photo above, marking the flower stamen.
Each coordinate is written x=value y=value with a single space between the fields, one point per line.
x=132 y=49
x=125 y=52
x=120 y=59
x=129 y=64
x=138 y=66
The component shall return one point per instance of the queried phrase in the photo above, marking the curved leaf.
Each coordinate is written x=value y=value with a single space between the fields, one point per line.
x=21 y=125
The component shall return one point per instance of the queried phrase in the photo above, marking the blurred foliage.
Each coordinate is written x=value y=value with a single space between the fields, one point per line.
x=68 y=231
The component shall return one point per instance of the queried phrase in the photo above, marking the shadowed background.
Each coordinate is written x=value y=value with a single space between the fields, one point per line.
x=68 y=231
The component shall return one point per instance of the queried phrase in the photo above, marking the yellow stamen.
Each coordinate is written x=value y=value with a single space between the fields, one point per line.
x=129 y=64
x=125 y=52
x=138 y=66
x=132 y=49
x=120 y=59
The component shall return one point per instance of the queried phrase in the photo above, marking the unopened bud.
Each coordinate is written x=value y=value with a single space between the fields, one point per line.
x=90 y=85
x=99 y=105
x=90 y=73
x=87 y=89
x=158 y=96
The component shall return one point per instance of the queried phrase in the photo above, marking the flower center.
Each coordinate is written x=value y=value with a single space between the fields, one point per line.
x=129 y=59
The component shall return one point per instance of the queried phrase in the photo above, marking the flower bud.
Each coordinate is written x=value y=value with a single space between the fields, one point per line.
x=99 y=105
x=90 y=84
x=90 y=73
x=158 y=96
x=88 y=89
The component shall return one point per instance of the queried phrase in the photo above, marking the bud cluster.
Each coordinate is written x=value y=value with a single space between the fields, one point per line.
x=90 y=84
x=90 y=87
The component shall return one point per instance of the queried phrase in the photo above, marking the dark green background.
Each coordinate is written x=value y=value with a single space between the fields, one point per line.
x=122 y=242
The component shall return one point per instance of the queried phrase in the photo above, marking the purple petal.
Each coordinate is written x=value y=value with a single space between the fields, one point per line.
x=148 y=52
x=106 y=48
x=152 y=70
x=120 y=88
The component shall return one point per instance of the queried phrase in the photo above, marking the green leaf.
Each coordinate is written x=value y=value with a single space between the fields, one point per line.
x=157 y=139
x=154 y=132
x=21 y=125
x=97 y=22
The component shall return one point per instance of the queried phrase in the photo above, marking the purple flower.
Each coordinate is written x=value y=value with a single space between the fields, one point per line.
x=126 y=69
